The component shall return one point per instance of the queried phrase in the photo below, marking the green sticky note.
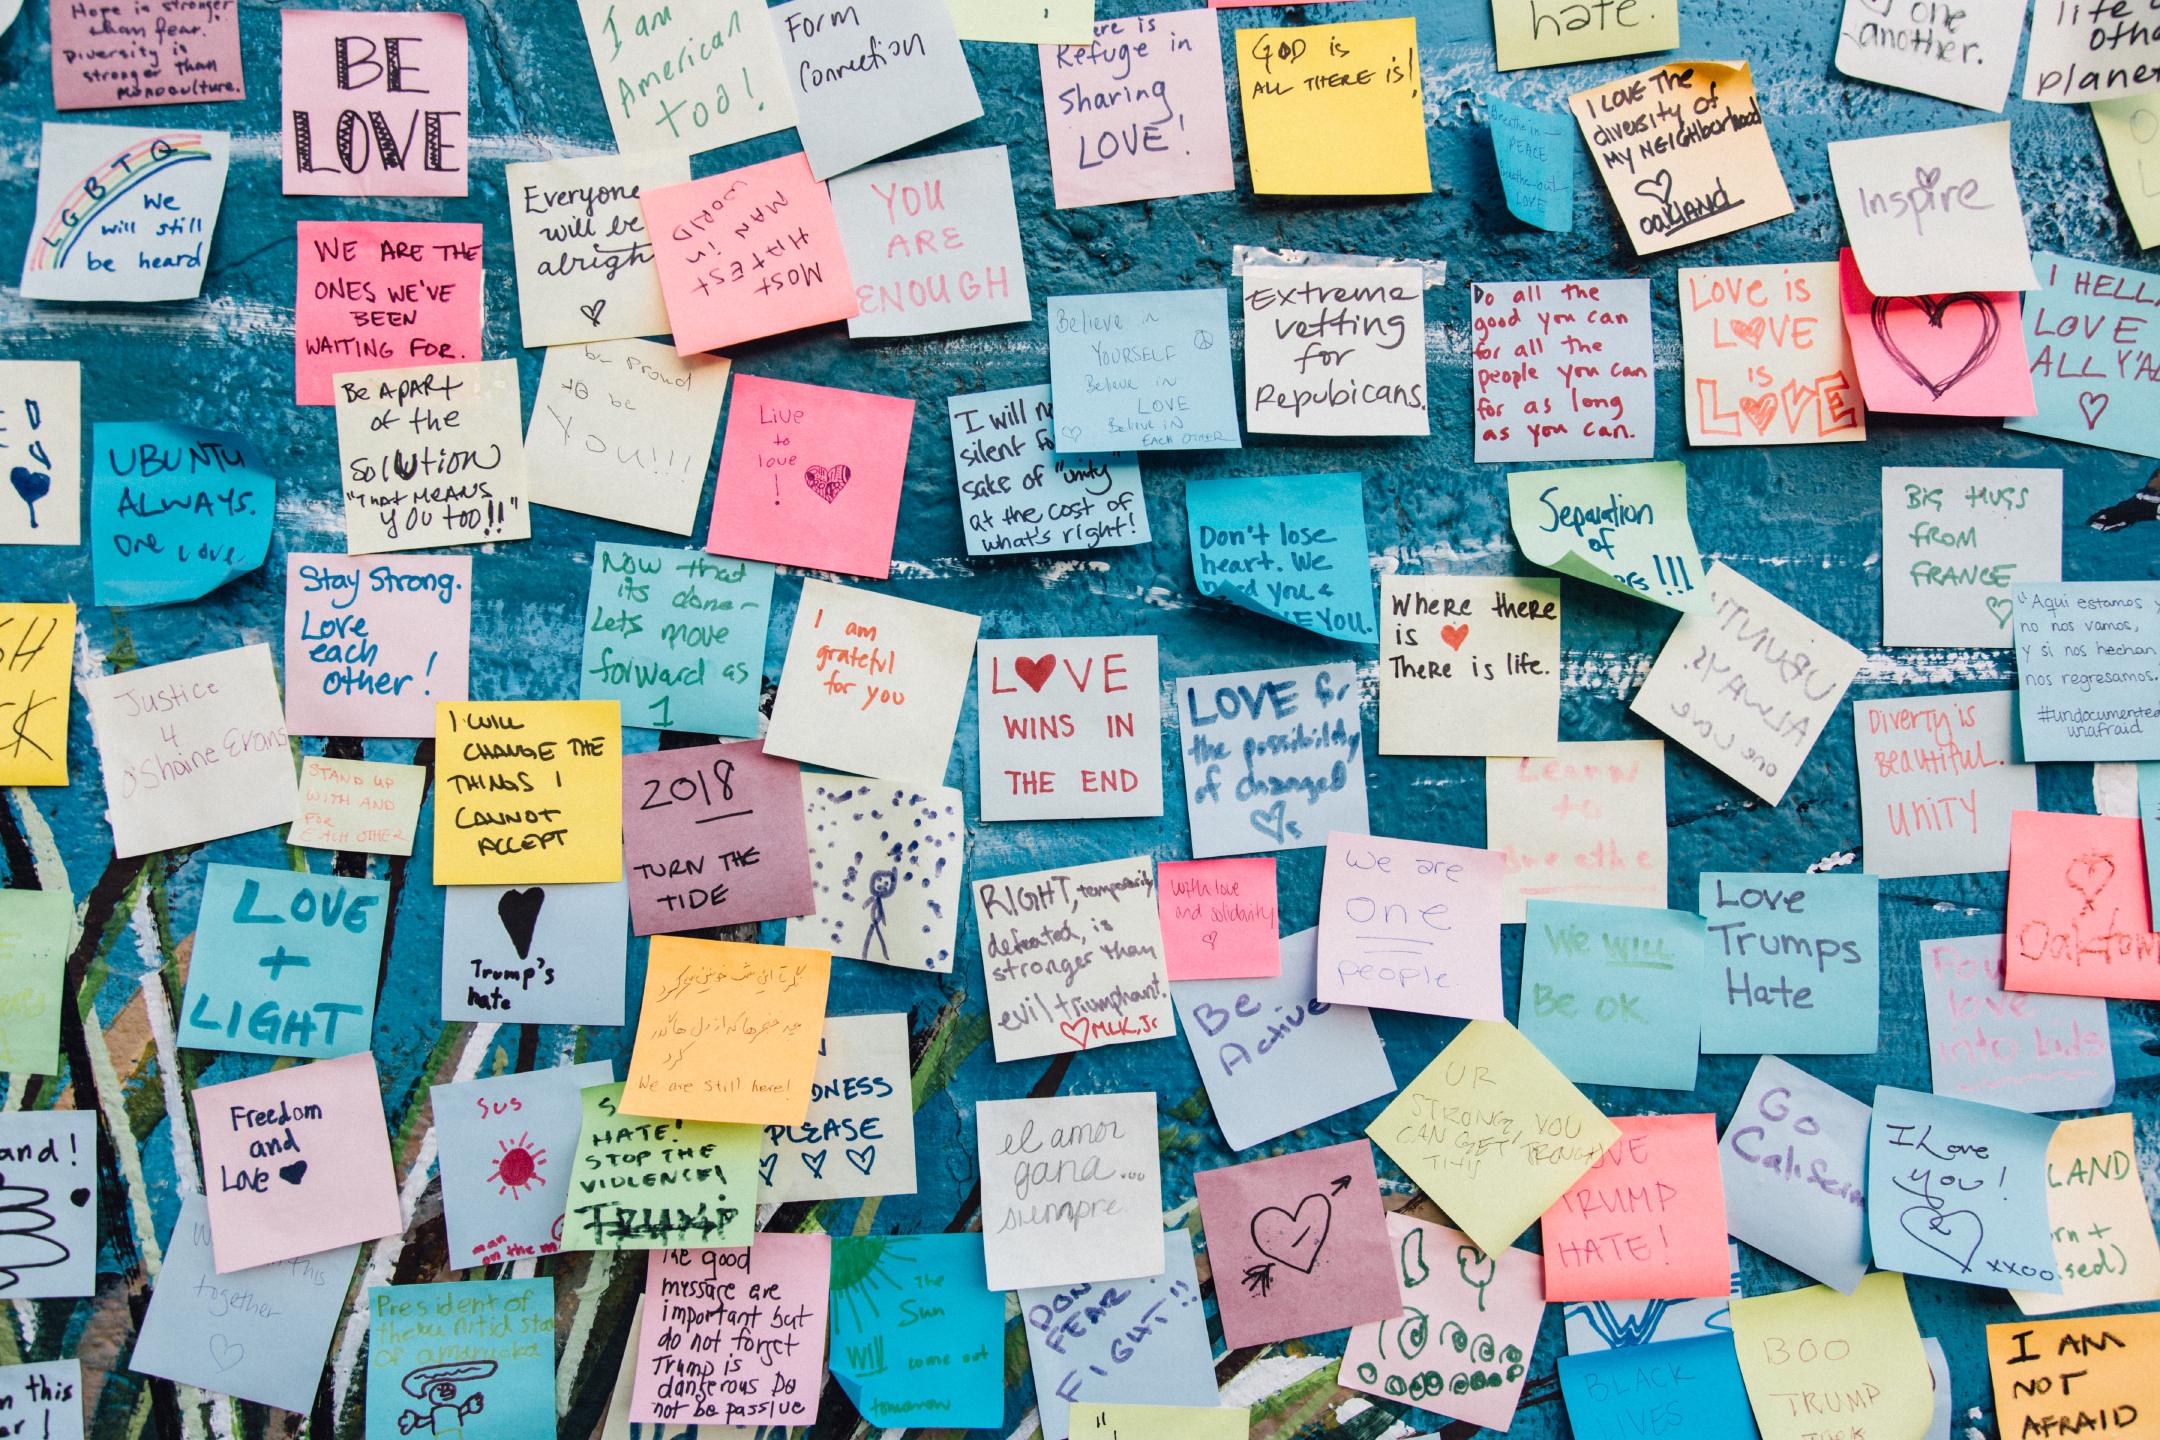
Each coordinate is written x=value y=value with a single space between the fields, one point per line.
x=1621 y=526
x=647 y=1184
x=1529 y=33
x=35 y=928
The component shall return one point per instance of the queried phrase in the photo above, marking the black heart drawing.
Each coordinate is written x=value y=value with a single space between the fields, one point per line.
x=765 y=1165
x=592 y=312
x=291 y=1174
x=78 y=1197
x=1945 y=1233
x=1933 y=306
x=519 y=911
x=814 y=1162
x=1294 y=1237
x=32 y=485
x=863 y=1159
x=1658 y=187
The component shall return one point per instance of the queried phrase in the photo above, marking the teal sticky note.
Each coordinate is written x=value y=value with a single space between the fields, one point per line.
x=1288 y=546
x=285 y=963
x=175 y=512
x=1535 y=150
x=475 y=1360
x=1792 y=964
x=2149 y=812
x=1613 y=994
x=678 y=637
x=2088 y=658
x=1149 y=370
x=1019 y=496
x=1673 y=1387
x=918 y=1335
x=2086 y=339
x=1957 y=1190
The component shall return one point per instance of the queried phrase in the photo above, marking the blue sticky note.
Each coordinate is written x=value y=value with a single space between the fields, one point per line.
x=1957 y=1190
x=2149 y=811
x=175 y=511
x=2088 y=658
x=1274 y=759
x=1535 y=150
x=677 y=636
x=506 y=1143
x=535 y=954
x=1018 y=496
x=1289 y=546
x=1675 y=1387
x=1613 y=994
x=1792 y=964
x=2087 y=340
x=474 y=1359
x=285 y=963
x=1132 y=1342
x=918 y=1335
x=1149 y=370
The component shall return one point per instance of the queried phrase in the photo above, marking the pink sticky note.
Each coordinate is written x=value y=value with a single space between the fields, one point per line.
x=296 y=1161
x=713 y=835
x=1407 y=925
x=1647 y=1221
x=375 y=102
x=756 y=1315
x=1139 y=113
x=372 y=642
x=2080 y=920
x=810 y=476
x=748 y=253
x=167 y=52
x=1299 y=1244
x=382 y=295
x=1937 y=354
x=1218 y=918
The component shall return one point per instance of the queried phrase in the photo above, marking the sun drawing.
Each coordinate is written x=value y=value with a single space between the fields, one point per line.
x=518 y=1168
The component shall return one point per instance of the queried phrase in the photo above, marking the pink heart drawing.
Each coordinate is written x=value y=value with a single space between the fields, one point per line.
x=826 y=481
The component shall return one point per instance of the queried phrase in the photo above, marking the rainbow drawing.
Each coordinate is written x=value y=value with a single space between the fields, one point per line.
x=97 y=192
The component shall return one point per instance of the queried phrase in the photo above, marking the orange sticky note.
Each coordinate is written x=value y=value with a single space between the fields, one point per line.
x=728 y=1033
x=2080 y=921
x=2077 y=1377
x=1647 y=1221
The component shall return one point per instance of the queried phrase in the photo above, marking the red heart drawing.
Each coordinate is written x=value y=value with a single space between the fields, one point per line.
x=2093 y=404
x=1075 y=1031
x=826 y=481
x=1750 y=331
x=1454 y=635
x=1036 y=672
x=1760 y=411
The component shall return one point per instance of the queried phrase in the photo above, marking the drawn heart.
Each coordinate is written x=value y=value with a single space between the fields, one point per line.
x=2093 y=405
x=765 y=1166
x=2089 y=875
x=1294 y=1237
x=1454 y=635
x=862 y=1159
x=826 y=481
x=1075 y=1030
x=1947 y=1234
x=592 y=312
x=1273 y=822
x=1760 y=411
x=1035 y=672
x=1657 y=187
x=814 y=1162
x=1927 y=178
x=1935 y=307
x=226 y=1353
x=78 y=1197
x=519 y=911
x=2001 y=606
x=32 y=485
x=291 y=1174
x=1749 y=330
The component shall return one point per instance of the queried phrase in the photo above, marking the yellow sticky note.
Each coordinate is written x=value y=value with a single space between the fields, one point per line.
x=1039 y=22
x=1563 y=32
x=2076 y=1377
x=729 y=1032
x=1334 y=109
x=37 y=648
x=2104 y=1244
x=2130 y=133
x=1493 y=1132
x=1160 y=1422
x=1817 y=1362
x=528 y=792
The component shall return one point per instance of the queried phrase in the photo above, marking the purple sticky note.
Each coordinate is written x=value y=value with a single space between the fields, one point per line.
x=713 y=835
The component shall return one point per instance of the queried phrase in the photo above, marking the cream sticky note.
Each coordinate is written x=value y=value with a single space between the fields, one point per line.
x=1069 y=728
x=37 y=653
x=1071 y=1189
x=645 y=1184
x=1585 y=823
x=729 y=1032
x=1334 y=109
x=528 y=792
x=1934 y=211
x=1073 y=958
x=687 y=76
x=1160 y=1422
x=375 y=102
x=1683 y=153
x=584 y=263
x=1621 y=526
x=885 y=862
x=1469 y=665
x=41 y=451
x=1766 y=356
x=1410 y=925
x=432 y=456
x=94 y=181
x=2102 y=1223
x=2130 y=133
x=623 y=429
x=1056 y=22
x=1963 y=53
x=1527 y=33
x=2089 y=51
x=859 y=1136
x=1814 y=1352
x=1336 y=350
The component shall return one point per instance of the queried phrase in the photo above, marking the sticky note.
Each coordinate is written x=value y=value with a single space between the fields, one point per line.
x=1792 y=963
x=1335 y=350
x=2068 y=1377
x=1069 y=728
x=192 y=750
x=374 y=102
x=51 y=1177
x=747 y=253
x=383 y=295
x=41 y=448
x=885 y=862
x=1334 y=109
x=1933 y=211
x=676 y=637
x=729 y=1032
x=37 y=929
x=1767 y=358
x=1469 y=665
x=1585 y=823
x=529 y=792
x=1219 y=919
x=1647 y=1221
x=1683 y=152
x=1693 y=1384
x=872 y=683
x=1815 y=1352
x=755 y=1316
x=124 y=213
x=1747 y=684
x=505 y=1146
x=1939 y=354
x=1133 y=123
x=1492 y=1132
x=285 y=962
x=584 y=263
x=1795 y=1164
x=474 y=1359
x=1562 y=370
x=1535 y=153
x=175 y=511
x=47 y=1395
x=366 y=806
x=2083 y=53
x=1274 y=759
x=1086 y=1345
x=859 y=1135
x=296 y=1162
x=1409 y=925
x=1963 y=55
x=1956 y=541
x=2088 y=387
x=432 y=456
x=1957 y=1190
x=1068 y=21
x=1071 y=1189
x=1528 y=33
x=2130 y=134
x=1292 y=547
x=811 y=476
x=713 y=835
x=647 y=1184
x=268 y=1348
x=1164 y=1422
x=900 y=1373
x=372 y=644
x=1019 y=496
x=933 y=243
x=687 y=77
x=623 y=429
x=1306 y=1240
x=37 y=651
x=867 y=86
x=535 y=954
x=2149 y=815
x=1937 y=785
x=174 y=54
x=2036 y=1053
x=1624 y=527
x=1145 y=370
x=1591 y=1329
x=1072 y=958
x=2105 y=1250
x=1494 y=1301
x=2079 y=919
x=1613 y=995
x=2088 y=658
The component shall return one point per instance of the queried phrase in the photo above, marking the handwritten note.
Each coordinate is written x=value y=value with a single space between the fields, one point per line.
x=2079 y=919
x=2094 y=369
x=1647 y=1221
x=1070 y=728
x=641 y=1184
x=285 y=963
x=1809 y=1353
x=46 y=1398
x=49 y=1179
x=1941 y=354
x=1072 y=958
x=885 y=863
x=1535 y=153
x=2036 y=1053
x=1956 y=541
x=372 y=644
x=933 y=243
x=2070 y=1377
x=1148 y=370
x=37 y=929
x=375 y=102
x=859 y=1135
x=530 y=792
x=122 y=213
x=1795 y=1164
x=1794 y=963
x=383 y=295
x=2130 y=134
x=713 y=835
x=1934 y=211
x=1624 y=527
x=623 y=429
x=1683 y=153
x=1274 y=759
x=535 y=954
x=41 y=448
x=917 y=1332
x=432 y=456
x=688 y=76
x=1017 y=495
x=1612 y=994
x=1135 y=1340
x=1407 y=925
x=866 y=86
x=1469 y=665
x=1304 y=1240
x=1335 y=350
x=1937 y=786
x=584 y=264
x=734 y=1337
x=1563 y=32
x=1334 y=109
x=1767 y=358
x=1288 y=546
x=1962 y=53
x=475 y=1359
x=37 y=649
x=729 y=1032
x=2088 y=657
x=1693 y=1384
x=1219 y=919
x=811 y=476
x=506 y=1144
x=1585 y=823
x=1958 y=1190
x=1070 y=21
x=2105 y=1250
x=1137 y=112
x=175 y=511
x=676 y=637
x=1071 y=1189
x=1561 y=370
x=2082 y=50
x=169 y=52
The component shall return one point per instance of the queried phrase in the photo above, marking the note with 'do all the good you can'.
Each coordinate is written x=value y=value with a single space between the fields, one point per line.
x=530 y=792
x=1562 y=371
